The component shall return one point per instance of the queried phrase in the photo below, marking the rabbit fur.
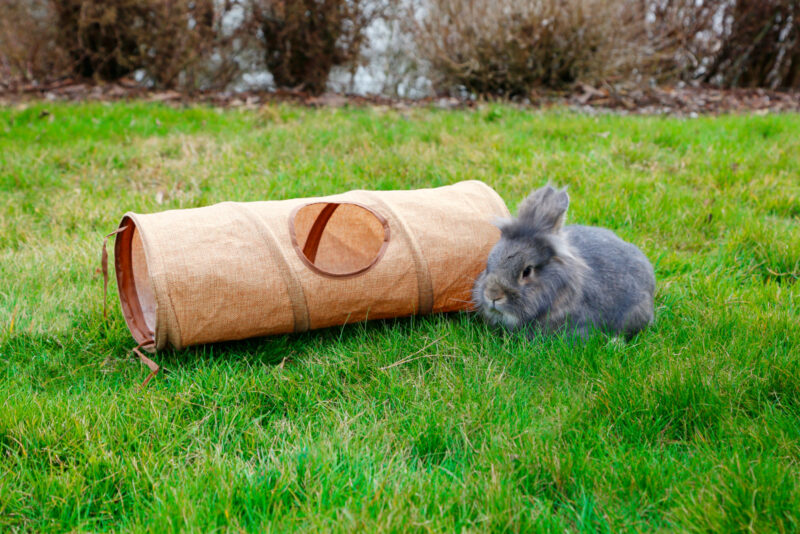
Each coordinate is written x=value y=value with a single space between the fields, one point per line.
x=548 y=278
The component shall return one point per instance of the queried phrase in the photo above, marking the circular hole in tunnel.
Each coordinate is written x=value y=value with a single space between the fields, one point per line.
x=338 y=238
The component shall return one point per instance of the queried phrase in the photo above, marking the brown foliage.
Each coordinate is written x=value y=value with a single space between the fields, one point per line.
x=170 y=40
x=676 y=38
x=760 y=45
x=102 y=39
x=305 y=39
x=504 y=48
x=509 y=47
x=729 y=43
x=27 y=43
x=187 y=46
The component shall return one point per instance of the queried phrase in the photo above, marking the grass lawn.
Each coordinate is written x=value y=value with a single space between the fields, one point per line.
x=693 y=425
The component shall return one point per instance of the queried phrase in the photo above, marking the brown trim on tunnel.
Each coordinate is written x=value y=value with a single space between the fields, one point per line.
x=128 y=297
x=322 y=224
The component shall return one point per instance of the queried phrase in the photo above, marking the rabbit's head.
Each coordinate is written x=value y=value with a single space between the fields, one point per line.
x=531 y=265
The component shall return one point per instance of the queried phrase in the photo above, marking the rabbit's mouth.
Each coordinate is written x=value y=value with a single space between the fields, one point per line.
x=496 y=315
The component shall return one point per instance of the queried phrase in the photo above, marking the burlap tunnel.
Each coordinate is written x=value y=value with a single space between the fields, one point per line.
x=238 y=270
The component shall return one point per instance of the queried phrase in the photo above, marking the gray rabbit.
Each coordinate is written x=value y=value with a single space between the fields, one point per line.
x=545 y=277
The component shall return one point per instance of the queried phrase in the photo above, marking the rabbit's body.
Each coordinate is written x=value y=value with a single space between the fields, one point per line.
x=618 y=286
x=544 y=277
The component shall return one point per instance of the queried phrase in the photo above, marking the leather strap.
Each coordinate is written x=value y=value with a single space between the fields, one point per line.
x=315 y=234
x=424 y=284
x=293 y=286
x=153 y=366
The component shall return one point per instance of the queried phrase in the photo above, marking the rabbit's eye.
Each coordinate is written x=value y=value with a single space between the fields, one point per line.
x=527 y=271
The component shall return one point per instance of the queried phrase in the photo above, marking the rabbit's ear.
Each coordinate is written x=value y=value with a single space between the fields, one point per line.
x=502 y=222
x=544 y=209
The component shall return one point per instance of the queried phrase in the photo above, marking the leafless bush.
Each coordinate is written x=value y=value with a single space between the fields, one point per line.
x=509 y=47
x=176 y=43
x=492 y=47
x=171 y=40
x=759 y=45
x=305 y=39
x=193 y=44
x=731 y=43
x=101 y=38
x=677 y=37
x=27 y=43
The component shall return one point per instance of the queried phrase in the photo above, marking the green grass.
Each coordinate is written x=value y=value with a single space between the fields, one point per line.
x=694 y=425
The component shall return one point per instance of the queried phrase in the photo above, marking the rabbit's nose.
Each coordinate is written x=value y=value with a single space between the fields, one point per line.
x=495 y=295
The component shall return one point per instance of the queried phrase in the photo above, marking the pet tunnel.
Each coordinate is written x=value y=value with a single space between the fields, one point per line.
x=238 y=270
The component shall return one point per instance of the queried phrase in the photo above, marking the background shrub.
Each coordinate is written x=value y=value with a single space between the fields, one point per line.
x=189 y=45
x=305 y=39
x=676 y=37
x=102 y=39
x=176 y=43
x=759 y=45
x=509 y=47
x=728 y=43
x=171 y=40
x=504 y=48
x=27 y=43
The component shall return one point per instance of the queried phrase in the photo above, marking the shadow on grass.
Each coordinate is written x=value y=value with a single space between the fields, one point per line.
x=286 y=348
